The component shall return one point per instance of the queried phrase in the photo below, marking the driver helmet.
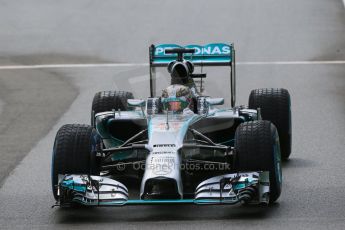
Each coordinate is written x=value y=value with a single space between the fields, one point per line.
x=176 y=98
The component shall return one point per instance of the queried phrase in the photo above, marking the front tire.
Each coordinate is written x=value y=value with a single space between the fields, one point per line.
x=257 y=149
x=72 y=153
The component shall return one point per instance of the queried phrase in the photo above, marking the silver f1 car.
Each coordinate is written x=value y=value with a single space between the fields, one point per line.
x=178 y=147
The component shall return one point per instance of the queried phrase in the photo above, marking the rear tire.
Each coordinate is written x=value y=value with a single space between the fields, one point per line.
x=257 y=149
x=275 y=105
x=72 y=153
x=109 y=100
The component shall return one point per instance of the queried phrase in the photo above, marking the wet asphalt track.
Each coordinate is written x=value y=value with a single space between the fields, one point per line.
x=35 y=103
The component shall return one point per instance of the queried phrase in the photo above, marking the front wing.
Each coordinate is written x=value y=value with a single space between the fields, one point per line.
x=244 y=187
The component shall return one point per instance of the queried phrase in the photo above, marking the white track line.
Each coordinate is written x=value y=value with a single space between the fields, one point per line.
x=97 y=65
x=293 y=62
x=53 y=66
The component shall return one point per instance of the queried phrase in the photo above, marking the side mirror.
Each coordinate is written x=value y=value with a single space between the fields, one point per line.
x=136 y=102
x=215 y=101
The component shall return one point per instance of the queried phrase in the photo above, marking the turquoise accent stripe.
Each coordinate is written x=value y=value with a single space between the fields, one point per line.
x=183 y=201
x=188 y=123
x=73 y=186
x=153 y=202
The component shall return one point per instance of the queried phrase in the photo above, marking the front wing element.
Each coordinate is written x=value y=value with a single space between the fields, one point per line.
x=249 y=188
x=91 y=191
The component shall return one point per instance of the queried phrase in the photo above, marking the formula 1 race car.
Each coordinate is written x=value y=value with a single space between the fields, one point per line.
x=179 y=147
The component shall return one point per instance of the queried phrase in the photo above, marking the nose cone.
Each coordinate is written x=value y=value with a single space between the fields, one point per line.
x=161 y=188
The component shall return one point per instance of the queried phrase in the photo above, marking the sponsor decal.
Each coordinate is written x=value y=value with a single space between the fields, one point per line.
x=173 y=126
x=163 y=152
x=162 y=166
x=160 y=50
x=165 y=145
x=210 y=49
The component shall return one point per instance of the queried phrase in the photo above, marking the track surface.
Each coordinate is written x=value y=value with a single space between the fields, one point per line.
x=35 y=103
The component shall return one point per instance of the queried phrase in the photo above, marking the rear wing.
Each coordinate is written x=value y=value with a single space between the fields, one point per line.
x=214 y=54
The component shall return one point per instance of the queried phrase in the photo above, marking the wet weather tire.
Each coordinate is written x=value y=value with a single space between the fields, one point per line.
x=257 y=149
x=275 y=105
x=109 y=100
x=72 y=153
